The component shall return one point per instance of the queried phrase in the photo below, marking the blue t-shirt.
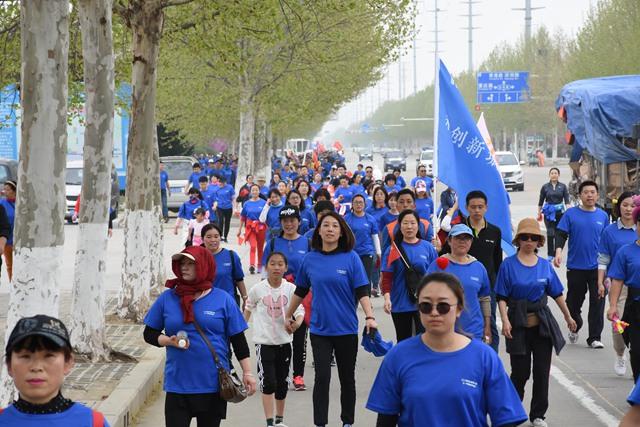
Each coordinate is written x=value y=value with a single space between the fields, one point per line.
x=518 y=281
x=273 y=217
x=387 y=218
x=378 y=214
x=77 y=415
x=634 y=397
x=357 y=189
x=424 y=207
x=420 y=255
x=333 y=279
x=194 y=179
x=187 y=208
x=193 y=370
x=209 y=196
x=307 y=220
x=224 y=196
x=252 y=209
x=400 y=182
x=10 y=210
x=584 y=229
x=459 y=388
x=223 y=279
x=613 y=238
x=393 y=189
x=386 y=239
x=626 y=265
x=264 y=190
x=294 y=250
x=346 y=193
x=363 y=228
x=476 y=284
x=164 y=179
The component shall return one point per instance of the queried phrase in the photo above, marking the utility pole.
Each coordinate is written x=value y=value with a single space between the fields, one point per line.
x=400 y=78
x=527 y=18
x=470 y=29
x=436 y=41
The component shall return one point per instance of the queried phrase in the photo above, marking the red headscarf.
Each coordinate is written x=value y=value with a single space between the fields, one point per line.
x=186 y=290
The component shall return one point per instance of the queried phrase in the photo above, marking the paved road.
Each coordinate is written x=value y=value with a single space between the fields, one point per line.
x=584 y=391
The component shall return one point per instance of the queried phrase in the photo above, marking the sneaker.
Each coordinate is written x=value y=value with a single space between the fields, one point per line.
x=573 y=337
x=252 y=270
x=280 y=424
x=298 y=383
x=539 y=422
x=375 y=293
x=596 y=344
x=620 y=366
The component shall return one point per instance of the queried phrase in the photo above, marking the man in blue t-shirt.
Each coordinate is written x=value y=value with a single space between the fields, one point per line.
x=583 y=226
x=165 y=192
x=194 y=178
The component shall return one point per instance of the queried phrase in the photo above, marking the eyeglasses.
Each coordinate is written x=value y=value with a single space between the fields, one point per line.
x=527 y=237
x=441 y=307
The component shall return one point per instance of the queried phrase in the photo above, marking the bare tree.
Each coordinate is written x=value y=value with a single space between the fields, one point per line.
x=40 y=205
x=88 y=304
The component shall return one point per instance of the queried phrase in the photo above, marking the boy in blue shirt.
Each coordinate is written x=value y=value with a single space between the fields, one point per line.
x=194 y=178
x=583 y=225
x=38 y=357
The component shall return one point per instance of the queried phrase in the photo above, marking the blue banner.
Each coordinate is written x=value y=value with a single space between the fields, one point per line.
x=464 y=160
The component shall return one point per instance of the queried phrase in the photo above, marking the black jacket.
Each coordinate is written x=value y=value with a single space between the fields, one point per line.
x=549 y=328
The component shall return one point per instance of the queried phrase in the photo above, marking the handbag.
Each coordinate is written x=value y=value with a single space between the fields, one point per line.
x=411 y=276
x=230 y=387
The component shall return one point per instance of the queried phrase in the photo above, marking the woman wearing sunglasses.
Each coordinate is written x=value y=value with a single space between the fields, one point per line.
x=456 y=373
x=476 y=318
x=407 y=250
x=524 y=281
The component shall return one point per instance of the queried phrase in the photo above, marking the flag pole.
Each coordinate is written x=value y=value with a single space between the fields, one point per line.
x=436 y=124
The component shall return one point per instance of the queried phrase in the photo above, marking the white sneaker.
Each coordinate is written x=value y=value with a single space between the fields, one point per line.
x=596 y=344
x=280 y=425
x=620 y=366
x=539 y=422
x=573 y=338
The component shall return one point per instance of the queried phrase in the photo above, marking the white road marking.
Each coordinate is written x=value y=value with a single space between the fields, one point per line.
x=584 y=398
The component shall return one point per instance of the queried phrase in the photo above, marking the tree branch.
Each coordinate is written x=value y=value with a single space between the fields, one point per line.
x=169 y=3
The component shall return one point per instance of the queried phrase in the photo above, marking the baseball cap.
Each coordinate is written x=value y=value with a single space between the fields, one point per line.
x=176 y=257
x=459 y=229
x=289 y=211
x=41 y=325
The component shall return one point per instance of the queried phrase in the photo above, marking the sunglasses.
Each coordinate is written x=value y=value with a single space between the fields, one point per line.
x=527 y=237
x=441 y=307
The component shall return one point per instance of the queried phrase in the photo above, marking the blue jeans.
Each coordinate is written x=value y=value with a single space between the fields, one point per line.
x=165 y=203
x=495 y=336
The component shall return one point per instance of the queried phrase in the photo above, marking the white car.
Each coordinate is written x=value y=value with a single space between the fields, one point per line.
x=510 y=170
x=426 y=160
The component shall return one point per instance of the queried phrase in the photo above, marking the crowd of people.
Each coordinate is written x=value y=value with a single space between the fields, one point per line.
x=325 y=240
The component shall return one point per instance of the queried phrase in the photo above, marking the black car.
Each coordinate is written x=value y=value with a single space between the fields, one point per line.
x=365 y=155
x=395 y=159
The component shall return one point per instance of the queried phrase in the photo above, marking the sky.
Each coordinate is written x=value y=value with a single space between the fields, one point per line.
x=497 y=23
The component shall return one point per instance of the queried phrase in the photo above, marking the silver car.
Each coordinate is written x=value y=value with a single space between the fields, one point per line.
x=179 y=168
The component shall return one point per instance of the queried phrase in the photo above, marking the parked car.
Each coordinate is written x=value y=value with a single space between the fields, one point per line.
x=510 y=170
x=179 y=168
x=395 y=159
x=365 y=155
x=73 y=185
x=426 y=160
x=8 y=170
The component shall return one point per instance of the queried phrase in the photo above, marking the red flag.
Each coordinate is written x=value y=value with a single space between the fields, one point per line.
x=394 y=254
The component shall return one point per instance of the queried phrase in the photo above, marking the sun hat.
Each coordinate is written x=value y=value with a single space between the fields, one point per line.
x=529 y=226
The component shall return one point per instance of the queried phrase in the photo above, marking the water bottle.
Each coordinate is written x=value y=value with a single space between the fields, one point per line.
x=183 y=339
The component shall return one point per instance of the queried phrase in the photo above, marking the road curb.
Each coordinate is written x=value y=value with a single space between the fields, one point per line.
x=129 y=397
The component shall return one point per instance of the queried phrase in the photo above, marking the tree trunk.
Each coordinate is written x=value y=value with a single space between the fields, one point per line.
x=246 y=148
x=40 y=205
x=142 y=212
x=87 y=307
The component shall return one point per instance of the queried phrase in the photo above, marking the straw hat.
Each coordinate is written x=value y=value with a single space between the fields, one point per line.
x=529 y=226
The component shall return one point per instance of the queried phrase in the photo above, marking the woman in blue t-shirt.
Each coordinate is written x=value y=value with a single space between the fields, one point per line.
x=407 y=249
x=476 y=317
x=379 y=203
x=614 y=236
x=229 y=274
x=366 y=232
x=305 y=192
x=344 y=193
x=191 y=375
x=624 y=272
x=524 y=281
x=441 y=377
x=307 y=218
x=270 y=214
x=254 y=230
x=335 y=274
x=392 y=212
x=224 y=206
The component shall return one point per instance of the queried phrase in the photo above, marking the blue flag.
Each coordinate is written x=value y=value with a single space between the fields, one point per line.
x=464 y=160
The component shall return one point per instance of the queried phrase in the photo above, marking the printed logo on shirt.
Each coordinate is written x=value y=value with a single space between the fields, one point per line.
x=423 y=256
x=490 y=241
x=302 y=252
x=469 y=383
x=227 y=264
x=542 y=280
x=477 y=279
x=599 y=222
x=343 y=272
x=209 y=312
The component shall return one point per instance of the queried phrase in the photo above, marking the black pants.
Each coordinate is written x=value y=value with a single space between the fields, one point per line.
x=540 y=348
x=208 y=408
x=551 y=235
x=299 y=350
x=224 y=220
x=368 y=262
x=346 y=350
x=273 y=369
x=407 y=324
x=495 y=335
x=632 y=315
x=578 y=283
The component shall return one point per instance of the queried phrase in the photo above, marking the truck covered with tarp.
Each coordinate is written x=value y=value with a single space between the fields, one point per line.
x=602 y=117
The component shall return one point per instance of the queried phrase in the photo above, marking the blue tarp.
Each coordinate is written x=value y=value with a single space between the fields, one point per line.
x=600 y=111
